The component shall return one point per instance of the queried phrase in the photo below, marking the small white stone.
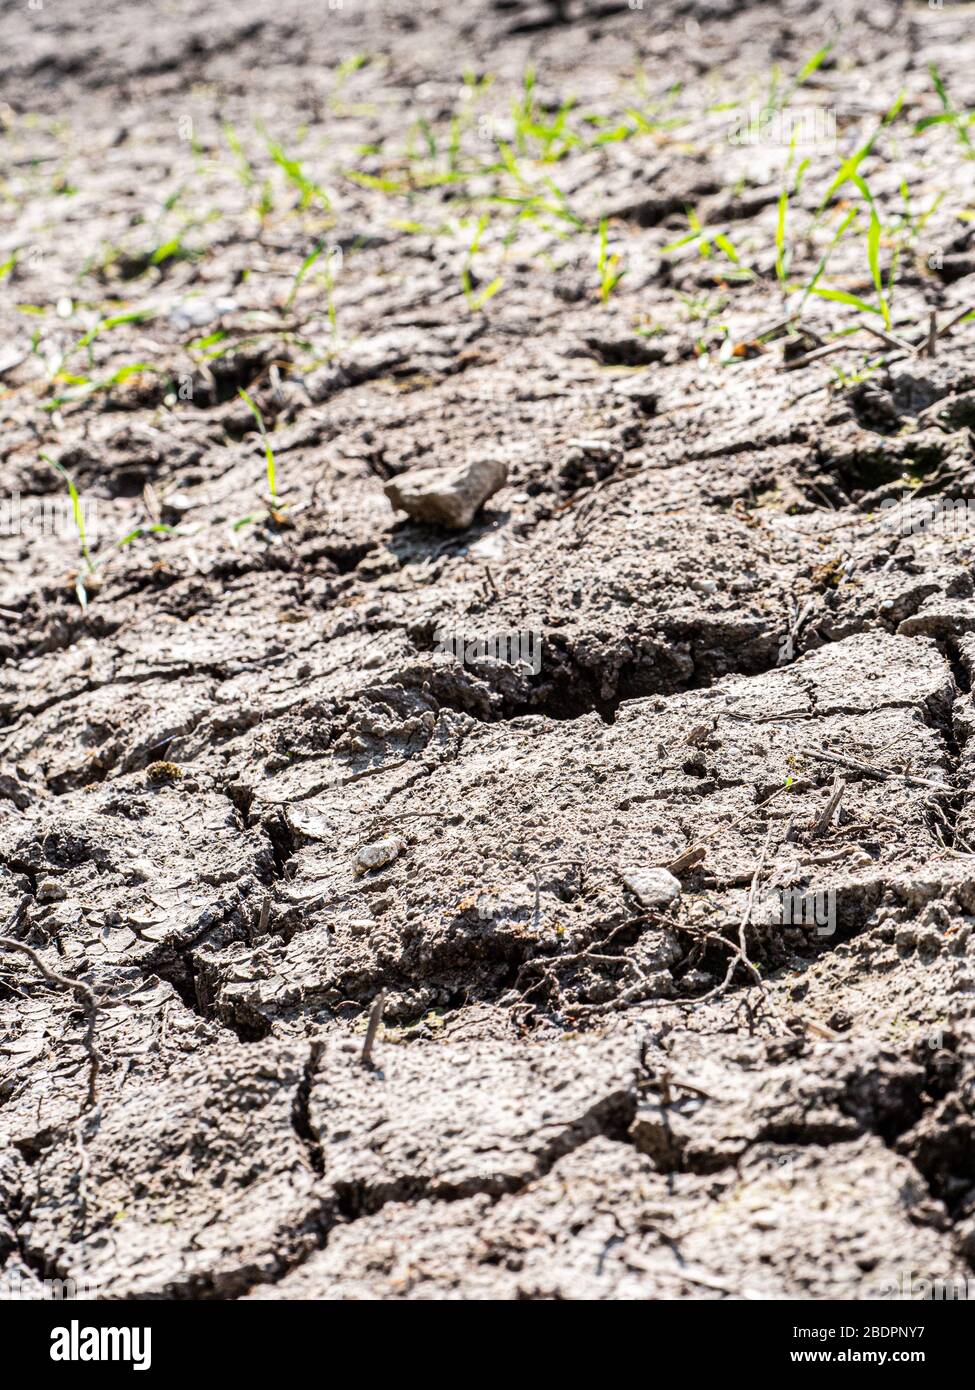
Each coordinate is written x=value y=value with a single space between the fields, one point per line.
x=198 y=313
x=377 y=855
x=654 y=887
x=179 y=502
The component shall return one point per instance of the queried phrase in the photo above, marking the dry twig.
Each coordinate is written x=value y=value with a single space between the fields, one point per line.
x=372 y=1027
x=881 y=773
x=831 y=807
x=741 y=955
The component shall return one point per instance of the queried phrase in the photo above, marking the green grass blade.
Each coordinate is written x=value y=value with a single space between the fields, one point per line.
x=272 y=482
x=814 y=62
x=676 y=245
x=942 y=118
x=780 y=234
x=157 y=529
x=873 y=256
x=487 y=293
x=939 y=87
x=78 y=514
x=850 y=166
x=841 y=297
x=727 y=247
x=303 y=270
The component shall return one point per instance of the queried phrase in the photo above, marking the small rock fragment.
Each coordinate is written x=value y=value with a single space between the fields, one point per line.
x=654 y=887
x=447 y=496
x=376 y=855
x=11 y=357
x=198 y=313
x=139 y=870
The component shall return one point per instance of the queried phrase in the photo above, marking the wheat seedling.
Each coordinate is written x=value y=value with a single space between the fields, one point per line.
x=79 y=521
x=607 y=261
x=958 y=120
x=272 y=480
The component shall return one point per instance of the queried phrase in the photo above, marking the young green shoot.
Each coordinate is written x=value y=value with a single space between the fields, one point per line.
x=105 y=326
x=428 y=136
x=849 y=168
x=782 y=256
x=81 y=386
x=343 y=72
x=607 y=261
x=704 y=239
x=912 y=221
x=523 y=111
x=476 y=302
x=155 y=528
x=780 y=253
x=778 y=99
x=303 y=270
x=78 y=515
x=873 y=258
x=272 y=481
x=958 y=120
x=813 y=287
x=296 y=175
x=244 y=169
x=331 y=261
x=874 y=234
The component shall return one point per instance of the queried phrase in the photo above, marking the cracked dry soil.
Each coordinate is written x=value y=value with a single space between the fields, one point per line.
x=573 y=1095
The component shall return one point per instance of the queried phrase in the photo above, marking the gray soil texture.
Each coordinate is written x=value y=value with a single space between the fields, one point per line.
x=352 y=950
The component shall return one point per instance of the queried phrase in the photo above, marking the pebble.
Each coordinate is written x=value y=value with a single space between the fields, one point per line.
x=447 y=497
x=376 y=855
x=199 y=313
x=654 y=887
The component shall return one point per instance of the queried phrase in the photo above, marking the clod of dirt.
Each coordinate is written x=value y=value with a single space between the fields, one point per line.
x=50 y=891
x=159 y=774
x=447 y=496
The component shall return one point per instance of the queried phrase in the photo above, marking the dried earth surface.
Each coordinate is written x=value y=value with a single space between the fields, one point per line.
x=243 y=790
